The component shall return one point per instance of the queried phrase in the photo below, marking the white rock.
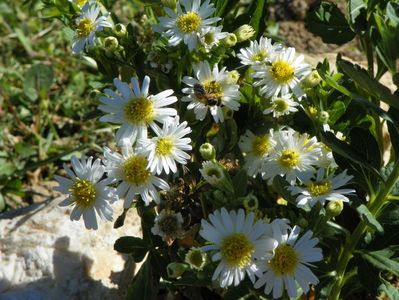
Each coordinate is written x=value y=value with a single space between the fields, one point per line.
x=44 y=255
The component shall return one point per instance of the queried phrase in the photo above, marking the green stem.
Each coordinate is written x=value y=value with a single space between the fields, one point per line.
x=350 y=245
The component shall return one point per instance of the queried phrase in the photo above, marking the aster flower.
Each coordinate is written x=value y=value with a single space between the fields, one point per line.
x=134 y=109
x=256 y=149
x=167 y=147
x=87 y=25
x=294 y=156
x=211 y=89
x=289 y=262
x=212 y=172
x=211 y=36
x=281 y=105
x=283 y=75
x=168 y=225
x=321 y=189
x=258 y=53
x=186 y=25
x=237 y=242
x=196 y=258
x=89 y=195
x=130 y=170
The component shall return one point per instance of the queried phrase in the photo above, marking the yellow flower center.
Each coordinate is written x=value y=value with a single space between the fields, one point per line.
x=280 y=105
x=84 y=193
x=260 y=145
x=80 y=3
x=285 y=260
x=319 y=188
x=259 y=56
x=84 y=27
x=209 y=38
x=164 y=146
x=139 y=110
x=135 y=170
x=312 y=110
x=281 y=71
x=189 y=22
x=289 y=158
x=214 y=172
x=237 y=250
x=196 y=258
x=214 y=88
x=169 y=224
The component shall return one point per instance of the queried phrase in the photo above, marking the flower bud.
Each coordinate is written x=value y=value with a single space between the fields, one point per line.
x=251 y=202
x=230 y=40
x=311 y=80
x=303 y=223
x=196 y=258
x=111 y=44
x=312 y=110
x=120 y=30
x=281 y=201
x=244 y=32
x=324 y=116
x=232 y=77
x=169 y=3
x=207 y=151
x=334 y=208
x=175 y=269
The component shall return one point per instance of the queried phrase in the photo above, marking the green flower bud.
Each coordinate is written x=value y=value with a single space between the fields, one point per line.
x=244 y=32
x=303 y=223
x=251 y=202
x=196 y=258
x=169 y=3
x=111 y=44
x=230 y=40
x=120 y=30
x=208 y=152
x=324 y=116
x=334 y=208
x=281 y=201
x=176 y=269
x=311 y=80
x=233 y=77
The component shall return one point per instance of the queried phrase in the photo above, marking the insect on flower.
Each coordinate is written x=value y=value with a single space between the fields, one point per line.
x=205 y=97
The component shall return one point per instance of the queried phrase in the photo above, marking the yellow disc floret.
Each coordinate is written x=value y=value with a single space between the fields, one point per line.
x=83 y=192
x=213 y=87
x=236 y=250
x=164 y=146
x=319 y=188
x=285 y=260
x=260 y=145
x=135 y=170
x=139 y=111
x=189 y=22
x=84 y=27
x=281 y=71
x=259 y=56
x=289 y=158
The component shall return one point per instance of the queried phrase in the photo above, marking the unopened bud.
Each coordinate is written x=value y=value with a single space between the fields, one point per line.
x=334 y=208
x=111 y=44
x=230 y=40
x=311 y=80
x=207 y=151
x=324 y=116
x=244 y=32
x=281 y=201
x=251 y=202
x=120 y=30
x=232 y=77
x=169 y=3
x=176 y=269
x=303 y=223
x=196 y=258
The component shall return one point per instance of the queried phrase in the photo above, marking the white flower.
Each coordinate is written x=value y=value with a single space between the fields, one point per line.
x=282 y=75
x=87 y=192
x=167 y=147
x=131 y=169
x=186 y=25
x=258 y=53
x=212 y=173
x=87 y=25
x=256 y=149
x=294 y=156
x=320 y=189
x=211 y=89
x=168 y=225
x=211 y=36
x=135 y=109
x=290 y=261
x=238 y=241
x=281 y=105
x=196 y=258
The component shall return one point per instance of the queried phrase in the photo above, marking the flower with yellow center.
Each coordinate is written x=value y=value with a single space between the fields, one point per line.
x=135 y=109
x=320 y=189
x=258 y=53
x=188 y=24
x=211 y=36
x=89 y=195
x=130 y=170
x=237 y=241
x=289 y=158
x=281 y=105
x=288 y=263
x=282 y=75
x=168 y=225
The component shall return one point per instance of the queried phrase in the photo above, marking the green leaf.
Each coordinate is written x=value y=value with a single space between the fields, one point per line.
x=358 y=15
x=132 y=245
x=280 y=185
x=389 y=215
x=365 y=142
x=368 y=217
x=385 y=172
x=329 y=23
x=2 y=203
x=240 y=182
x=24 y=40
x=393 y=13
x=394 y=131
x=381 y=260
x=391 y=292
x=336 y=111
x=368 y=275
x=258 y=16
x=38 y=81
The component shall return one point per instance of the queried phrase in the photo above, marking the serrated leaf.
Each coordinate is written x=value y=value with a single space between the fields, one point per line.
x=368 y=217
x=329 y=23
x=380 y=260
x=132 y=245
x=389 y=215
x=391 y=292
x=385 y=172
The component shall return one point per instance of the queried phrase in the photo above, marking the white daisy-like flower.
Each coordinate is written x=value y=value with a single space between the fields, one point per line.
x=238 y=241
x=212 y=172
x=135 y=109
x=167 y=147
x=211 y=89
x=282 y=75
x=290 y=261
x=186 y=25
x=294 y=156
x=320 y=189
x=281 y=105
x=168 y=225
x=87 y=25
x=256 y=149
x=196 y=258
x=130 y=169
x=211 y=36
x=258 y=53
x=89 y=194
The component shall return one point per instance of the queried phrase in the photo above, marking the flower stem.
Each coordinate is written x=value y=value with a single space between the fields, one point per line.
x=350 y=245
